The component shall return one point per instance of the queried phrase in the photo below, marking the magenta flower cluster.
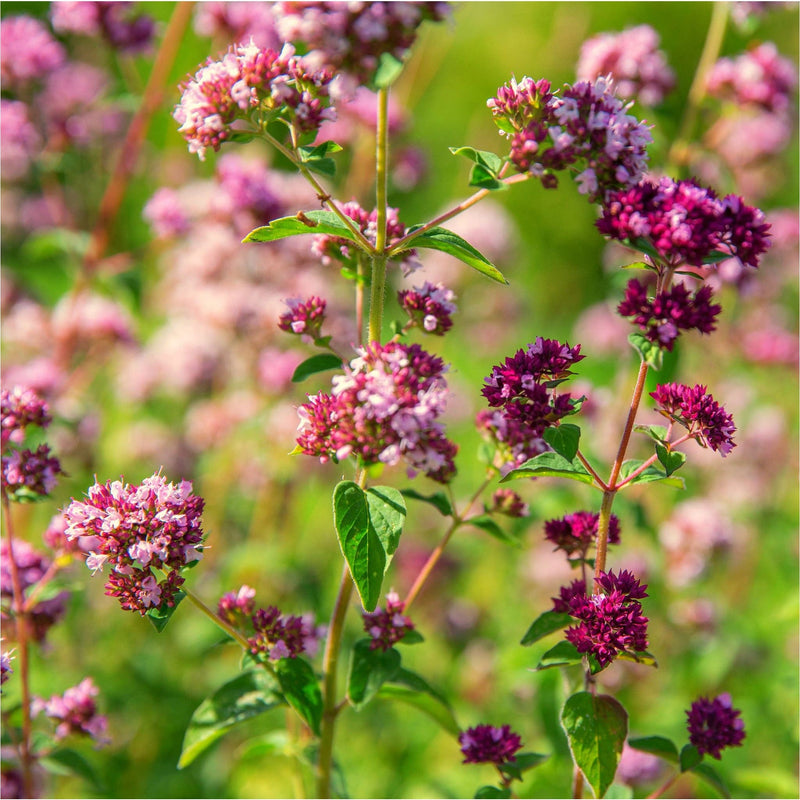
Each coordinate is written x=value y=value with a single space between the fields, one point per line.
x=632 y=59
x=351 y=37
x=383 y=409
x=683 y=222
x=19 y=408
x=586 y=130
x=337 y=248
x=487 y=744
x=280 y=636
x=610 y=622
x=714 y=725
x=234 y=607
x=303 y=318
x=248 y=79
x=387 y=626
x=699 y=413
x=75 y=712
x=663 y=317
x=155 y=525
x=577 y=532
x=429 y=307
x=760 y=77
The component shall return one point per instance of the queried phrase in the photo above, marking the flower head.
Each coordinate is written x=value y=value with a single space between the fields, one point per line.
x=508 y=502
x=303 y=318
x=486 y=744
x=714 y=725
x=153 y=525
x=233 y=607
x=19 y=408
x=281 y=636
x=429 y=307
x=575 y=533
x=699 y=413
x=389 y=626
x=28 y=51
x=115 y=22
x=75 y=711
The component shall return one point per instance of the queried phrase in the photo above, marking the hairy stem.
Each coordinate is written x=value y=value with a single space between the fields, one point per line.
x=216 y=619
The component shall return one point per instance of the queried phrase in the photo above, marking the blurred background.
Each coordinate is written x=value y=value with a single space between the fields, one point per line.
x=167 y=354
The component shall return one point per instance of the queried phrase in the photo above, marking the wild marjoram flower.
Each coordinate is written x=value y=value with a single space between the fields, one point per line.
x=486 y=744
x=714 y=725
x=155 y=525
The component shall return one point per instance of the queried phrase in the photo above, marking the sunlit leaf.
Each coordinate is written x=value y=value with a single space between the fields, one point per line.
x=369 y=670
x=321 y=362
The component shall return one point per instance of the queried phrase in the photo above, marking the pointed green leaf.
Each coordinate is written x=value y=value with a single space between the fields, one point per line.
x=369 y=670
x=638 y=265
x=300 y=687
x=439 y=500
x=564 y=654
x=448 y=242
x=651 y=474
x=640 y=657
x=564 y=439
x=64 y=761
x=361 y=546
x=246 y=696
x=483 y=178
x=712 y=778
x=304 y=222
x=493 y=792
x=387 y=513
x=412 y=637
x=414 y=690
x=651 y=353
x=550 y=464
x=388 y=71
x=690 y=757
x=491 y=161
x=671 y=460
x=545 y=624
x=656 y=432
x=486 y=523
x=522 y=763
x=163 y=614
x=596 y=727
x=321 y=362
x=656 y=745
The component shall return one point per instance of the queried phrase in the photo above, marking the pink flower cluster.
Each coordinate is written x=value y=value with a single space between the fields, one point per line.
x=116 y=22
x=610 y=622
x=20 y=407
x=336 y=248
x=577 y=532
x=155 y=525
x=247 y=79
x=684 y=222
x=383 y=409
x=280 y=636
x=508 y=502
x=429 y=307
x=75 y=711
x=28 y=51
x=237 y=22
x=389 y=626
x=632 y=59
x=588 y=126
x=704 y=418
x=669 y=312
x=303 y=318
x=760 y=77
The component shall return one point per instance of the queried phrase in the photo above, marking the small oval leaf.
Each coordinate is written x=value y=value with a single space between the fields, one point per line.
x=545 y=624
x=321 y=362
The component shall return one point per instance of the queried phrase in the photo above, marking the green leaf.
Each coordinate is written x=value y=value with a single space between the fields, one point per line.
x=369 y=670
x=651 y=474
x=162 y=615
x=656 y=745
x=657 y=433
x=388 y=71
x=550 y=464
x=315 y=157
x=640 y=657
x=246 y=696
x=482 y=178
x=300 y=687
x=522 y=763
x=387 y=513
x=304 y=222
x=545 y=624
x=320 y=362
x=412 y=637
x=410 y=688
x=619 y=791
x=638 y=265
x=715 y=256
x=362 y=548
x=564 y=654
x=486 y=523
x=564 y=439
x=485 y=158
x=671 y=460
x=64 y=761
x=439 y=500
x=596 y=727
x=493 y=792
x=690 y=757
x=651 y=353
x=448 y=242
x=711 y=777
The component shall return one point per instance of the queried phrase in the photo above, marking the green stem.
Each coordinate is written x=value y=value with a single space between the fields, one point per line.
x=216 y=619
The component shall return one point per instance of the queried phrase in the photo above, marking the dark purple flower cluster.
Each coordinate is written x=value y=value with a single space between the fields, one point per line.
x=577 y=532
x=351 y=37
x=31 y=566
x=20 y=407
x=336 y=248
x=523 y=387
x=714 y=725
x=281 y=636
x=508 y=502
x=27 y=473
x=429 y=307
x=610 y=622
x=249 y=78
x=514 y=441
x=684 y=222
x=75 y=711
x=303 y=318
x=487 y=744
x=632 y=59
x=139 y=528
x=670 y=311
x=699 y=413
x=117 y=23
x=586 y=130
x=384 y=408
x=389 y=626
